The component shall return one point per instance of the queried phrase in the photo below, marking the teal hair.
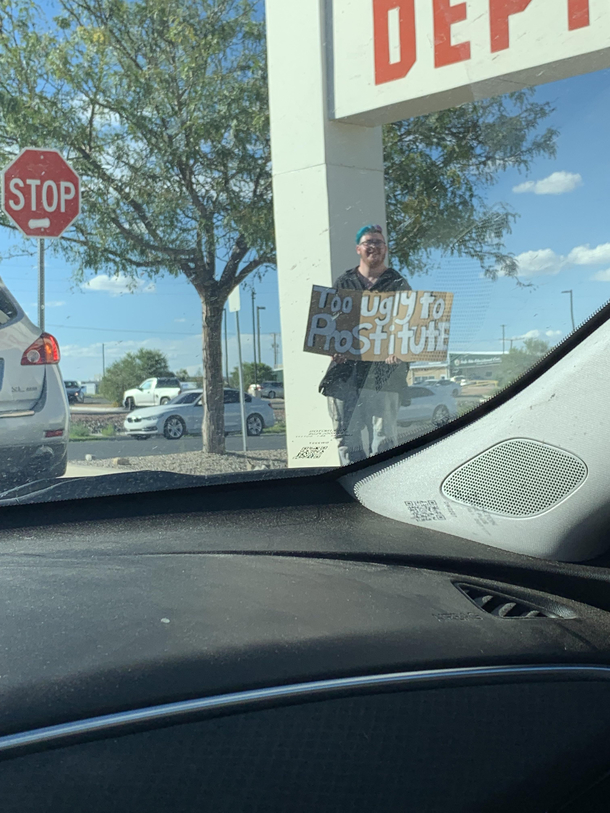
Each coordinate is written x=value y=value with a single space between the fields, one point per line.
x=370 y=229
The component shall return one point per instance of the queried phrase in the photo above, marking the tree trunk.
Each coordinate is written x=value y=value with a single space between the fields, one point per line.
x=213 y=427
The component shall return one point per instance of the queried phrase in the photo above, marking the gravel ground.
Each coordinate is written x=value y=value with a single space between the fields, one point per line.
x=197 y=462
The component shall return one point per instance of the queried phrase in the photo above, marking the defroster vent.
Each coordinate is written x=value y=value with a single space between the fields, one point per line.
x=502 y=605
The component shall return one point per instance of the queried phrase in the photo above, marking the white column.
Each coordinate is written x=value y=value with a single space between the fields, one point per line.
x=327 y=183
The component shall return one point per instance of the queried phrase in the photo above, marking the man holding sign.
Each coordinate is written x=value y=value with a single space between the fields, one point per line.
x=365 y=395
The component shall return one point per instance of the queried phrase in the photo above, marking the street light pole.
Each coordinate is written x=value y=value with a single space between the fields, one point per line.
x=103 y=360
x=503 y=339
x=571 y=292
x=259 y=308
x=254 y=336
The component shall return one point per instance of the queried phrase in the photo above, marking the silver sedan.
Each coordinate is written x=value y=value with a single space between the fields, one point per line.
x=184 y=414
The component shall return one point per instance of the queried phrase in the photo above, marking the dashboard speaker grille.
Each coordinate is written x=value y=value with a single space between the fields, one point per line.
x=516 y=478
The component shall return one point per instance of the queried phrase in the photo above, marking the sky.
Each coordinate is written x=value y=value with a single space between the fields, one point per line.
x=561 y=241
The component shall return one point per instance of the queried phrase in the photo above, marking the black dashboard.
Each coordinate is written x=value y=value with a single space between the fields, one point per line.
x=273 y=646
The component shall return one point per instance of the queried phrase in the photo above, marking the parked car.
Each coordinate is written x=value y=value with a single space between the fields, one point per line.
x=184 y=415
x=74 y=391
x=452 y=386
x=33 y=400
x=151 y=392
x=272 y=389
x=435 y=405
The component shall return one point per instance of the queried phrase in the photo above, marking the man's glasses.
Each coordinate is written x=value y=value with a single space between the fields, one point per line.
x=373 y=243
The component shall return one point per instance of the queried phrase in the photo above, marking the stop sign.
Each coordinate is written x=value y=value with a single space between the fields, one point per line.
x=41 y=193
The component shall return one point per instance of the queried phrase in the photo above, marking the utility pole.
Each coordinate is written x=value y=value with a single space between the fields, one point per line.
x=259 y=308
x=103 y=360
x=41 y=283
x=571 y=292
x=226 y=315
x=254 y=336
x=503 y=339
x=275 y=346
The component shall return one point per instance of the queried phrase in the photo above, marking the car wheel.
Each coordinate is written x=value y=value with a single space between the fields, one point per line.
x=130 y=404
x=80 y=398
x=271 y=394
x=441 y=415
x=164 y=401
x=174 y=428
x=254 y=425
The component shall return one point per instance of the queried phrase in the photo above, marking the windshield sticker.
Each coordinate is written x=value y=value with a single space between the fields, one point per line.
x=425 y=510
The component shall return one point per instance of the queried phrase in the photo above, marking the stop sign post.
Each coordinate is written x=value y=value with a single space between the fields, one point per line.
x=41 y=195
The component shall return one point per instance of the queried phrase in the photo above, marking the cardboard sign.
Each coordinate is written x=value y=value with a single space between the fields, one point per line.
x=371 y=326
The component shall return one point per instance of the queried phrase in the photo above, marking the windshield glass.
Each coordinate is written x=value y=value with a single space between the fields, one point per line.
x=332 y=267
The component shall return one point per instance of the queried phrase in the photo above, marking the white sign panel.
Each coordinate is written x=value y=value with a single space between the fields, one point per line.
x=234 y=300
x=393 y=59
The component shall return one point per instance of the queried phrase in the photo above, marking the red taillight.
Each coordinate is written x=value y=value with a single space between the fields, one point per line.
x=44 y=350
x=53 y=433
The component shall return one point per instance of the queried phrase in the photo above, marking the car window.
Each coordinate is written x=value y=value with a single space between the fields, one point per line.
x=7 y=309
x=465 y=237
x=186 y=398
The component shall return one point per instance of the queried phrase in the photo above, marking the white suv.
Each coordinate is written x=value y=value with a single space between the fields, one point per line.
x=34 y=413
x=152 y=392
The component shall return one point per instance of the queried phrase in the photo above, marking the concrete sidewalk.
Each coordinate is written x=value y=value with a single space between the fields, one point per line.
x=82 y=470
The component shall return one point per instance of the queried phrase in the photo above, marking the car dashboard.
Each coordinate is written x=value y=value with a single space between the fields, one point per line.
x=275 y=646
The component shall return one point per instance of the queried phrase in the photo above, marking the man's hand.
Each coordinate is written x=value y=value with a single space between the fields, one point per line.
x=392 y=360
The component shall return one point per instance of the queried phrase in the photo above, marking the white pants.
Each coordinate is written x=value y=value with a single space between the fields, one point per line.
x=366 y=412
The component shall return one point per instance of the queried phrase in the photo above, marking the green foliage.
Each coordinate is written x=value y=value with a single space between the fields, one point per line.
x=109 y=431
x=437 y=168
x=184 y=375
x=131 y=371
x=518 y=360
x=79 y=431
x=263 y=373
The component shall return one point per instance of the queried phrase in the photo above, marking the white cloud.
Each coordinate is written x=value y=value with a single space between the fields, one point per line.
x=49 y=304
x=552 y=334
x=585 y=255
x=602 y=276
x=556 y=184
x=531 y=334
x=179 y=320
x=542 y=262
x=118 y=285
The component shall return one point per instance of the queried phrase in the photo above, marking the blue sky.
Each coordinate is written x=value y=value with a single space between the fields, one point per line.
x=562 y=240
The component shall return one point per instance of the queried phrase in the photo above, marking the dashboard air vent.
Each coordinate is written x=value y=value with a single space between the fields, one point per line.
x=502 y=605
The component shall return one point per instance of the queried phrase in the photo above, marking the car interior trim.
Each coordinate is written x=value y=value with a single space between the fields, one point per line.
x=238 y=702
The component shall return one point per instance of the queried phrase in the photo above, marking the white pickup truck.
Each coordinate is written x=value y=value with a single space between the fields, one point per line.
x=152 y=392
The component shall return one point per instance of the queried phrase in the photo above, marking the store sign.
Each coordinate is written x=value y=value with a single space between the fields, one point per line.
x=399 y=58
x=368 y=326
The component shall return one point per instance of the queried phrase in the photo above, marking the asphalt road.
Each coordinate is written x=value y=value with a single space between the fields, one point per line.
x=130 y=447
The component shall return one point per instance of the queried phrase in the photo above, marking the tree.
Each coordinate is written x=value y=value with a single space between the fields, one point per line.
x=130 y=371
x=162 y=109
x=518 y=360
x=437 y=168
x=263 y=373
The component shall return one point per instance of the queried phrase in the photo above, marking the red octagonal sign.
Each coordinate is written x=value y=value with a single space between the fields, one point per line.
x=41 y=193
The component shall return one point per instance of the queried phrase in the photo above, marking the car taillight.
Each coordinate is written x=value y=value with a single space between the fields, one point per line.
x=44 y=350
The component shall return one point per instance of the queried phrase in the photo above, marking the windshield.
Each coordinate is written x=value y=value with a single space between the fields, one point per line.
x=333 y=268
